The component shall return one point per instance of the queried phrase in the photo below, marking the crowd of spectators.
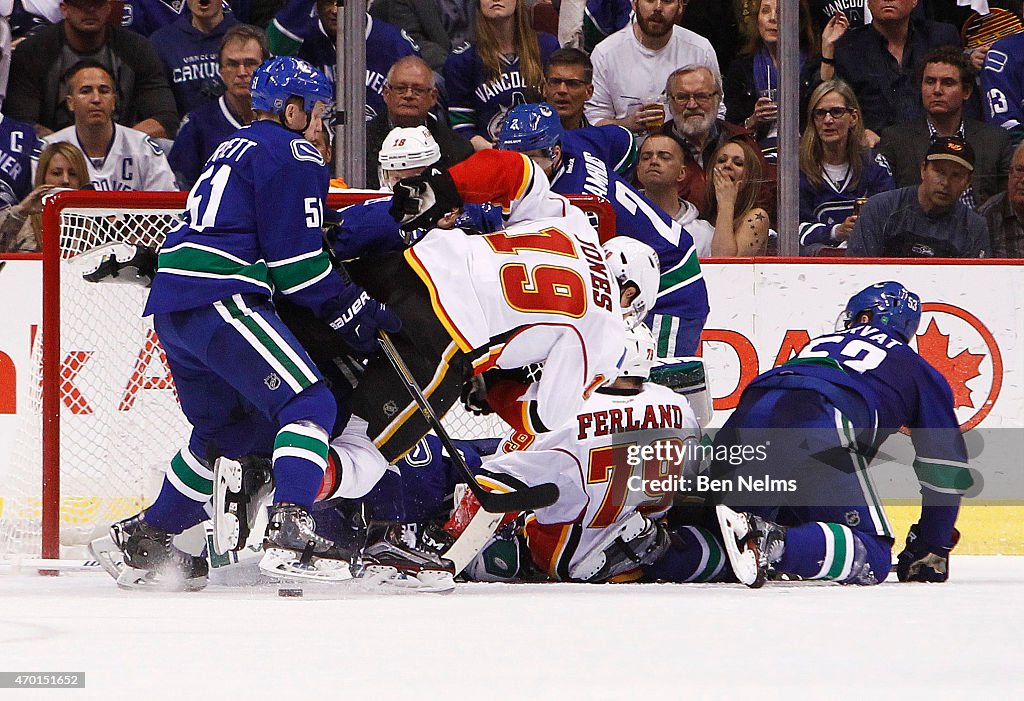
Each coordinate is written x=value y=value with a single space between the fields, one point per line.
x=143 y=90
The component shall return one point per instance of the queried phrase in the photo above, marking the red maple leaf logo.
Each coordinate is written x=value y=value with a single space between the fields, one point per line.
x=933 y=346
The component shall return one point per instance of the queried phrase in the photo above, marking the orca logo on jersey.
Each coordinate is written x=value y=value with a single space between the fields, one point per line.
x=305 y=151
x=272 y=381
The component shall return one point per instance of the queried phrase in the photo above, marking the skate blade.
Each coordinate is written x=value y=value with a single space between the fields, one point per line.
x=425 y=581
x=284 y=563
x=133 y=579
x=744 y=562
x=227 y=477
x=109 y=556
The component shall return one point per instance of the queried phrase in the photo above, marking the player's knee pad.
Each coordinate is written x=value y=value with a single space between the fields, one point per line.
x=315 y=404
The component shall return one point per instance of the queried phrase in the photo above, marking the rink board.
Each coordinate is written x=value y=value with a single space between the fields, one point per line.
x=972 y=329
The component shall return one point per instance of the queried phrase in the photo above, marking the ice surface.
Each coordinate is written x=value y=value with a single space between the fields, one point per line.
x=957 y=640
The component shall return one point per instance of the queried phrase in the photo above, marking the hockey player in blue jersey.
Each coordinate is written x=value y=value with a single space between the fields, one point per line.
x=240 y=373
x=810 y=427
x=682 y=307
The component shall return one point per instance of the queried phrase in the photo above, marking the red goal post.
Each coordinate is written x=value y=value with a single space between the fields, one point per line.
x=71 y=427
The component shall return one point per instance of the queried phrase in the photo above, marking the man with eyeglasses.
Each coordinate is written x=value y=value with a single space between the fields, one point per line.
x=1005 y=213
x=947 y=80
x=409 y=96
x=242 y=49
x=36 y=91
x=694 y=97
x=630 y=65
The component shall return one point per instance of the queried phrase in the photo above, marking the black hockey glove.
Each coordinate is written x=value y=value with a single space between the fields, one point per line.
x=360 y=318
x=921 y=562
x=421 y=201
x=474 y=396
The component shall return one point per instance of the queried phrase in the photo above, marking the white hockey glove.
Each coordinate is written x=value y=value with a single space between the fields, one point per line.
x=122 y=263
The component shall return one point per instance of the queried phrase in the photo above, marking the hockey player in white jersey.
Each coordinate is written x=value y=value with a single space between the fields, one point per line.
x=119 y=157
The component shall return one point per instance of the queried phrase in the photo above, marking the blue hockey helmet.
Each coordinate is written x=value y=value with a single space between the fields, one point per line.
x=282 y=77
x=890 y=304
x=530 y=127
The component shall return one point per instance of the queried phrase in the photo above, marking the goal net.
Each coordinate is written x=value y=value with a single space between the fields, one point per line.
x=100 y=418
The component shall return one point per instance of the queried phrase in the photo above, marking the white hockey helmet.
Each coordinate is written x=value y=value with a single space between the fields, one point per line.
x=639 y=358
x=406 y=149
x=635 y=263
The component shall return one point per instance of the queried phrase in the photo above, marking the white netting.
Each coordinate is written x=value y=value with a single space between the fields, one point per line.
x=119 y=419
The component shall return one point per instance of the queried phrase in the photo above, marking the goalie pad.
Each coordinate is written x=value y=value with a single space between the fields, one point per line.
x=123 y=263
x=688 y=377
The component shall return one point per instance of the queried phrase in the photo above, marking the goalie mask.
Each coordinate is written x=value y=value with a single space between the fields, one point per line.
x=639 y=358
x=406 y=151
x=889 y=304
x=634 y=263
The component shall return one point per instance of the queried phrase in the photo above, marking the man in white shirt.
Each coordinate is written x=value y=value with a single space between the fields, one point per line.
x=119 y=157
x=633 y=63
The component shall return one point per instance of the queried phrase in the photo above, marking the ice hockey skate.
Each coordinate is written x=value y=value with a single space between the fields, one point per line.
x=240 y=489
x=141 y=556
x=292 y=548
x=636 y=541
x=752 y=544
x=392 y=556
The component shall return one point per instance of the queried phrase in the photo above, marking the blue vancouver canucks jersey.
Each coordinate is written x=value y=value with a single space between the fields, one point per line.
x=823 y=207
x=866 y=368
x=1002 y=83
x=19 y=145
x=252 y=225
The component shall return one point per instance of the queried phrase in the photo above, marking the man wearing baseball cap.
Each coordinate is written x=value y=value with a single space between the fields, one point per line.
x=926 y=220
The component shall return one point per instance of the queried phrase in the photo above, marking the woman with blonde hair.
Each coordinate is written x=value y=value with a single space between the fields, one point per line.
x=836 y=171
x=61 y=165
x=502 y=66
x=741 y=227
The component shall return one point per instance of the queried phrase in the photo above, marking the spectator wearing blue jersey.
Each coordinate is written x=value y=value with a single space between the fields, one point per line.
x=309 y=31
x=37 y=87
x=501 y=68
x=188 y=49
x=423 y=21
x=242 y=49
x=1002 y=85
x=19 y=145
x=146 y=17
x=836 y=169
x=929 y=220
x=813 y=425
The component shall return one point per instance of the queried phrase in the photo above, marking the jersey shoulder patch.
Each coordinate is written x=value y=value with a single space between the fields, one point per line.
x=461 y=48
x=154 y=146
x=302 y=150
x=412 y=42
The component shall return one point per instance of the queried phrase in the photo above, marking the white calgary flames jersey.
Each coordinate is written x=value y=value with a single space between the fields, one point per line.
x=601 y=472
x=537 y=292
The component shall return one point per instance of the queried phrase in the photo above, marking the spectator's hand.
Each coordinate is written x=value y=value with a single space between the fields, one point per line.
x=766 y=111
x=845 y=228
x=645 y=118
x=726 y=189
x=33 y=202
x=978 y=56
x=833 y=31
x=871 y=139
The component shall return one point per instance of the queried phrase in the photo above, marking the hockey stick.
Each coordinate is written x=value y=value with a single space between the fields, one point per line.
x=526 y=499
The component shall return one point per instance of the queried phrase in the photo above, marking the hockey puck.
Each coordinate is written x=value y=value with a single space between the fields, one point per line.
x=289 y=592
